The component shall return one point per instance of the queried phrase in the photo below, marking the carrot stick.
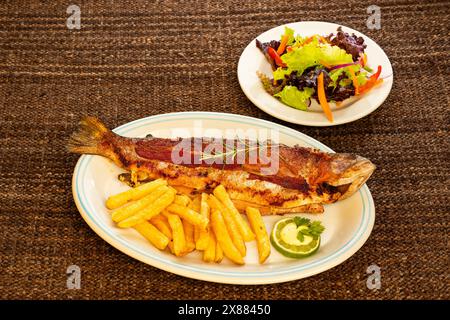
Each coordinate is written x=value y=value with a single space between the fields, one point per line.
x=355 y=81
x=325 y=65
x=323 y=99
x=371 y=82
x=309 y=40
x=283 y=44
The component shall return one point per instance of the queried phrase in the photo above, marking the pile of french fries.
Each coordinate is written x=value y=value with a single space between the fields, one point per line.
x=209 y=222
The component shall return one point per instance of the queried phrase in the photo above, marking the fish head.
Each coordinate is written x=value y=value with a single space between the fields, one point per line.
x=349 y=173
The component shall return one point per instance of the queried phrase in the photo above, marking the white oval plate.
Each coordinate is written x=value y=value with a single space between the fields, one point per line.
x=352 y=109
x=348 y=223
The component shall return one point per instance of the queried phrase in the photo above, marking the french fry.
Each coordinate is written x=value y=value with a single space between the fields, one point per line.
x=262 y=238
x=235 y=235
x=241 y=224
x=209 y=255
x=182 y=200
x=224 y=239
x=122 y=198
x=130 y=209
x=171 y=247
x=179 y=240
x=157 y=238
x=189 y=236
x=202 y=240
x=161 y=223
x=219 y=253
x=150 y=211
x=195 y=205
x=189 y=215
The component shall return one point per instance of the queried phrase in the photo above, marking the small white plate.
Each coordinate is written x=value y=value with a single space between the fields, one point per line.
x=252 y=60
x=348 y=223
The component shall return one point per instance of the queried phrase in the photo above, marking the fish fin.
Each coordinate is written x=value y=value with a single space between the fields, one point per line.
x=88 y=137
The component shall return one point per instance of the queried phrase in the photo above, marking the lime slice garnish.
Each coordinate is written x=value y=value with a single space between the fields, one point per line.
x=284 y=238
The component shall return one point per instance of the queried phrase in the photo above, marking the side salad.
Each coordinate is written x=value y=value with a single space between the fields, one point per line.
x=326 y=68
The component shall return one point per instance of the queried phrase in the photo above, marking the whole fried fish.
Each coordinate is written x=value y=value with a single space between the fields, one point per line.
x=303 y=181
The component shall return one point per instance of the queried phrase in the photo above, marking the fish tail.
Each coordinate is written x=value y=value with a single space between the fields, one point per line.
x=88 y=138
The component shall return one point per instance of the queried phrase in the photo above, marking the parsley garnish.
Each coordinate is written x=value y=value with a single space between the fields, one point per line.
x=299 y=221
x=314 y=229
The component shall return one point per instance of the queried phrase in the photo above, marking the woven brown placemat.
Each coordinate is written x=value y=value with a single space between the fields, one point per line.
x=138 y=58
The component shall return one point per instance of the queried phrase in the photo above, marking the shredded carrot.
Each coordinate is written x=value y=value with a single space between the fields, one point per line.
x=323 y=39
x=289 y=49
x=283 y=44
x=323 y=99
x=355 y=81
x=371 y=82
x=309 y=39
x=368 y=88
x=325 y=65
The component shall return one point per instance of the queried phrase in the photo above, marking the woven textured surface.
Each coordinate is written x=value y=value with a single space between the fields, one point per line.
x=138 y=58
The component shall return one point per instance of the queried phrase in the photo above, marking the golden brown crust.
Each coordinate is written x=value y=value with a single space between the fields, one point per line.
x=305 y=179
x=274 y=210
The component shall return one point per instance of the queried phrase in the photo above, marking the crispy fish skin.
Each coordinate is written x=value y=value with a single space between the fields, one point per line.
x=305 y=180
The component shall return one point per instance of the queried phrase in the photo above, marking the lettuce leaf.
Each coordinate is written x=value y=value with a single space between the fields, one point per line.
x=303 y=57
x=299 y=40
x=293 y=97
x=333 y=55
x=362 y=79
x=280 y=73
x=334 y=74
x=313 y=54
x=289 y=32
x=361 y=76
x=345 y=82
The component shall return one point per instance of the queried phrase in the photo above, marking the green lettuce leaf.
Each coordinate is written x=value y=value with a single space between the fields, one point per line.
x=361 y=76
x=345 y=82
x=334 y=75
x=280 y=73
x=293 y=97
x=300 y=40
x=313 y=54
x=302 y=58
x=333 y=55
x=289 y=32
x=368 y=69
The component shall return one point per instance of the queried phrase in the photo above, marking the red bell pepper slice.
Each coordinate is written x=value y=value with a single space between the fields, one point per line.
x=275 y=56
x=371 y=82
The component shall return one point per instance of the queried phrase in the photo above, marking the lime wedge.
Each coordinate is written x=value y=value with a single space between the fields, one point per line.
x=285 y=240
